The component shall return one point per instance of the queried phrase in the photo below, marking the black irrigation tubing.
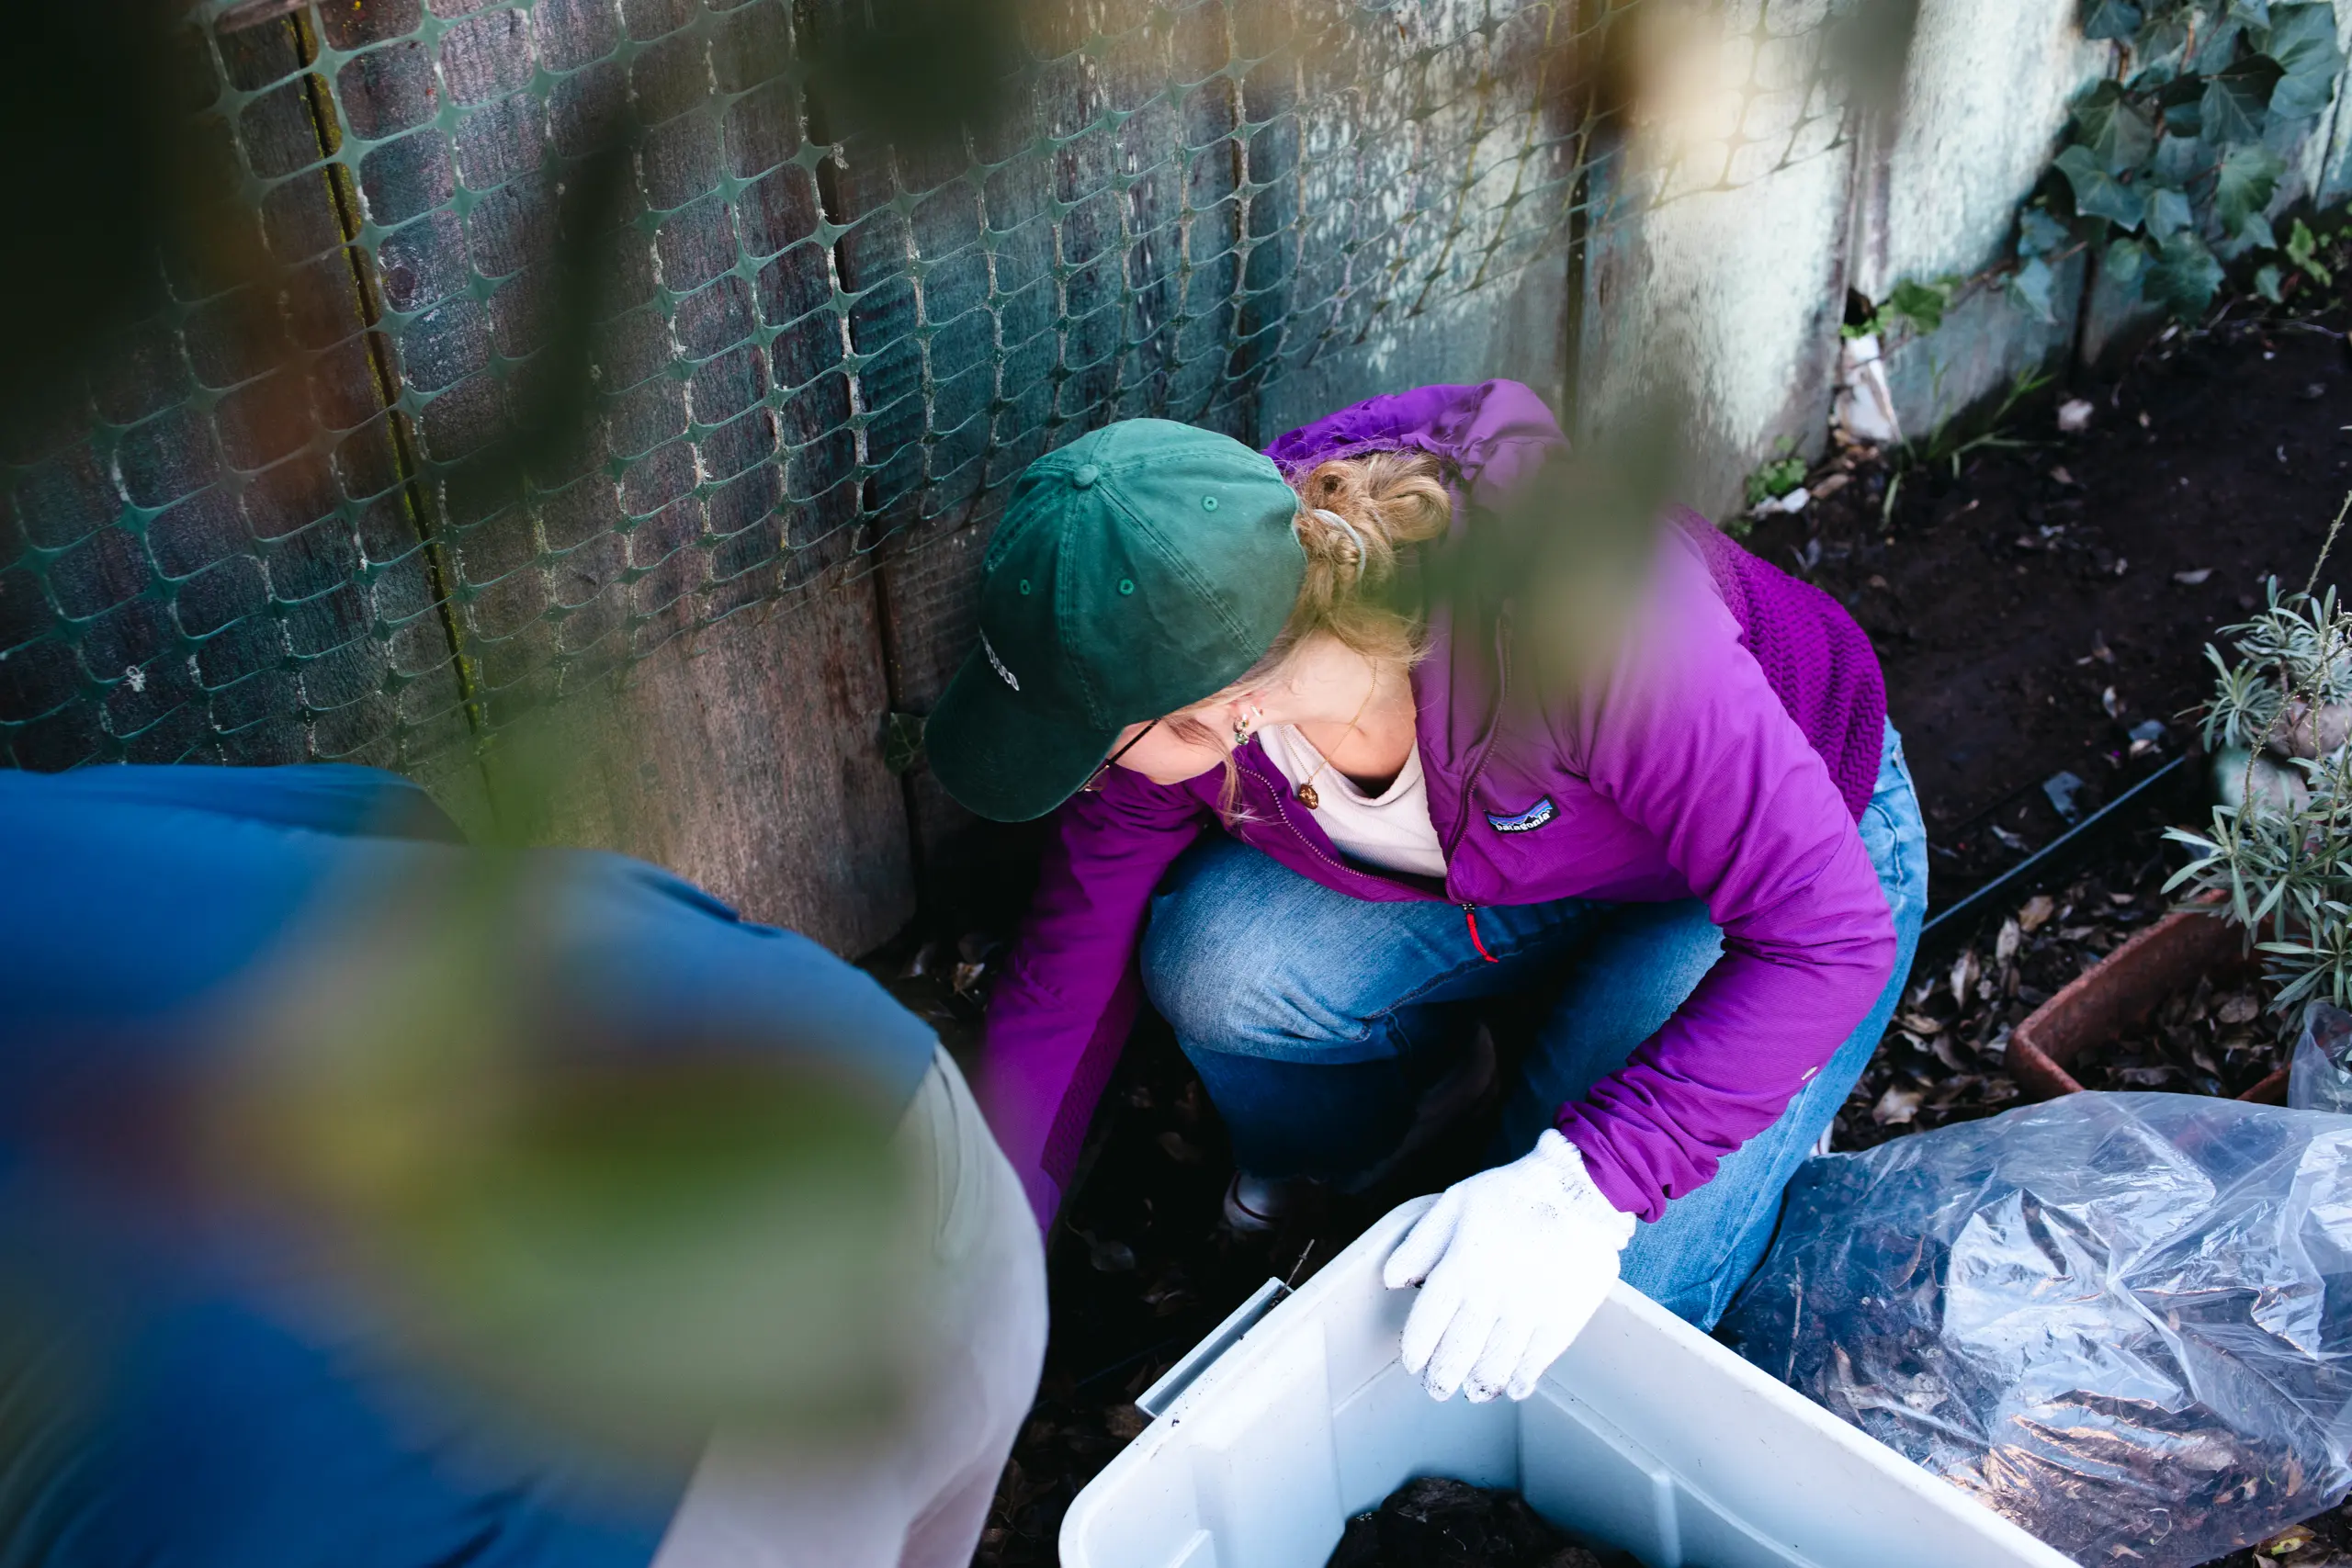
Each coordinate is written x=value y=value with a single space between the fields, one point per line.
x=1953 y=925
x=2024 y=791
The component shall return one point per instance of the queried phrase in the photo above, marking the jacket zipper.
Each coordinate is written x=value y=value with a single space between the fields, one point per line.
x=1471 y=914
x=1282 y=810
x=1477 y=766
x=1462 y=818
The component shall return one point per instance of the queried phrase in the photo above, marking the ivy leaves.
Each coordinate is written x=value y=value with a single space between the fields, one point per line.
x=2243 y=186
x=2114 y=134
x=2033 y=288
x=2168 y=213
x=2302 y=249
x=2113 y=127
x=2184 y=278
x=2167 y=172
x=1913 y=306
x=2039 y=237
x=2185 y=273
x=2301 y=41
x=2236 y=99
x=2098 y=194
x=2111 y=19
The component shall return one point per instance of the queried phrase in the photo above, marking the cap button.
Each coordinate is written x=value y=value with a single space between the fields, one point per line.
x=1084 y=475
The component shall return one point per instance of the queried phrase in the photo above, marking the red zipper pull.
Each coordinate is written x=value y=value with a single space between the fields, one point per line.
x=1471 y=914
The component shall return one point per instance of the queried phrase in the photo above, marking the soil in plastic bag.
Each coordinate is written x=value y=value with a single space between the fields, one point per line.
x=1436 y=1523
x=2123 y=1321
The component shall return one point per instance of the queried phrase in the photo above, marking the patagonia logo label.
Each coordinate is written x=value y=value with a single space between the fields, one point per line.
x=1009 y=679
x=1527 y=821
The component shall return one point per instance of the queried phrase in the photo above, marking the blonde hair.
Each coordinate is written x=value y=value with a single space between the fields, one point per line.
x=1386 y=503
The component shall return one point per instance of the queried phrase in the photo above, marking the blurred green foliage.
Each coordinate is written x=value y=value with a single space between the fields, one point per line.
x=627 y=1242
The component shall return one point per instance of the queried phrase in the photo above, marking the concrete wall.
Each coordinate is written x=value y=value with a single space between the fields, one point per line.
x=1729 y=301
x=1717 y=272
x=1609 y=199
x=1983 y=102
x=1734 y=294
x=1732 y=291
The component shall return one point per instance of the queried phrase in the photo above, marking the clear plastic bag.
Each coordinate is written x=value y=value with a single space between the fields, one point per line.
x=2124 y=1321
x=2320 y=1077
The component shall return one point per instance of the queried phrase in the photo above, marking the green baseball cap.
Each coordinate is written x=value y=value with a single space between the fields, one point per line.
x=1138 y=569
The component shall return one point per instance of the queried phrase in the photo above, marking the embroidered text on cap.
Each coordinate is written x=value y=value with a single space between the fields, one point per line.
x=997 y=664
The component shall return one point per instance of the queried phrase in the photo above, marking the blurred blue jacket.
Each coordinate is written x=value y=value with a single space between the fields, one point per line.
x=213 y=1436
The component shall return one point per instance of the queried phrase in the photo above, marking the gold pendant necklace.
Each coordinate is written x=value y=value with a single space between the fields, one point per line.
x=1304 y=793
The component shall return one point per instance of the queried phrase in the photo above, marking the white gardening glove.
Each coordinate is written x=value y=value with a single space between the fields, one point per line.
x=1513 y=1264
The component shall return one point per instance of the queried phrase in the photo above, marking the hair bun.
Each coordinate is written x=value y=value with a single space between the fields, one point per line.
x=1364 y=554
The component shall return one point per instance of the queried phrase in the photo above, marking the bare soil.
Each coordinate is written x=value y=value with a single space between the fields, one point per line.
x=2030 y=611
x=1437 y=1523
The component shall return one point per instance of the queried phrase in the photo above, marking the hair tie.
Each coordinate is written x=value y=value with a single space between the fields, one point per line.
x=1344 y=527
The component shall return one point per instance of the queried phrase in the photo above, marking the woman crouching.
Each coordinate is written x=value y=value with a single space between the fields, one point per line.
x=1318 y=813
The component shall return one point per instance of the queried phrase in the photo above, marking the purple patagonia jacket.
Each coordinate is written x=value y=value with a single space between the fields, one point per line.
x=1727 y=754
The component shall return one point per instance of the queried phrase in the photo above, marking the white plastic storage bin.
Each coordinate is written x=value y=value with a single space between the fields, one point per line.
x=1646 y=1435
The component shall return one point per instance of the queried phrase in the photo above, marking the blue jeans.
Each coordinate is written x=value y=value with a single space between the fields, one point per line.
x=1319 y=1022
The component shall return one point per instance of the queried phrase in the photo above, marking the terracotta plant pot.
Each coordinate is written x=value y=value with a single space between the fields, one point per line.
x=2122 y=989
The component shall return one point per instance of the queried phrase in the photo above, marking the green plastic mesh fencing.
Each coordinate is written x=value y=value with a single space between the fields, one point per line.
x=286 y=519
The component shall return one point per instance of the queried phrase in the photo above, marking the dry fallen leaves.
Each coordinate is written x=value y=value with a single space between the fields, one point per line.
x=1896 y=1106
x=1107 y=1256
x=1943 y=1058
x=2295 y=1538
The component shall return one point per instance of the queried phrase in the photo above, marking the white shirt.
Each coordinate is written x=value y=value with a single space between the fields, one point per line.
x=1392 y=831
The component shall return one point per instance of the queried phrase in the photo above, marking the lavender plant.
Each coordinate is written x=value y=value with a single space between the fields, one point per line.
x=2279 y=849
